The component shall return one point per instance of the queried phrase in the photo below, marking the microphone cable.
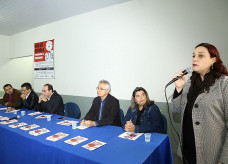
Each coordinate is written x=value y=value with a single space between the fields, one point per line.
x=167 y=103
x=181 y=147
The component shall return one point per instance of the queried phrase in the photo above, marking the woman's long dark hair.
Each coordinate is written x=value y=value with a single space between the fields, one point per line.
x=216 y=71
x=134 y=104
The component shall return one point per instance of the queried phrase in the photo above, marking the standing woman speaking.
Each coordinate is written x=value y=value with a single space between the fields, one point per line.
x=203 y=104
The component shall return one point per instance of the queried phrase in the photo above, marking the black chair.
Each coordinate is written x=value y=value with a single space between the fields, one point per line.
x=164 y=124
x=121 y=116
x=72 y=110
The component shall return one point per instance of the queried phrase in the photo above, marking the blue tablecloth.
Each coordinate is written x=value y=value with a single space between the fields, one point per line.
x=18 y=146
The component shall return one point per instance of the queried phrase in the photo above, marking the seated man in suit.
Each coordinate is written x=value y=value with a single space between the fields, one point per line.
x=11 y=96
x=105 y=108
x=28 y=98
x=50 y=101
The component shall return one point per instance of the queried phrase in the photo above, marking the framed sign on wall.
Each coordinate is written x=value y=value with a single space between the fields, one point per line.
x=44 y=60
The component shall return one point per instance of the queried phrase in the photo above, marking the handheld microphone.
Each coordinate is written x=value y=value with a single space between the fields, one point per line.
x=16 y=117
x=185 y=72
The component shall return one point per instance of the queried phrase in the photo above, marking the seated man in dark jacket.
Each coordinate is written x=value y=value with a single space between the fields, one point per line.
x=105 y=108
x=28 y=98
x=11 y=96
x=50 y=101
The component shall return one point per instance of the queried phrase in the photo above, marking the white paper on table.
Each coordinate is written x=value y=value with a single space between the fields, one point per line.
x=17 y=125
x=65 y=122
x=29 y=127
x=12 y=111
x=93 y=145
x=8 y=122
x=81 y=127
x=42 y=116
x=34 y=113
x=130 y=135
x=39 y=131
x=3 y=118
x=57 y=136
x=75 y=140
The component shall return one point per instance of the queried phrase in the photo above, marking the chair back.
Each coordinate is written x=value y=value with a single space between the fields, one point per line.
x=164 y=120
x=121 y=116
x=72 y=110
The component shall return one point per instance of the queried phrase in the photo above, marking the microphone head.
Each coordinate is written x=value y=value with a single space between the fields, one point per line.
x=16 y=117
x=187 y=71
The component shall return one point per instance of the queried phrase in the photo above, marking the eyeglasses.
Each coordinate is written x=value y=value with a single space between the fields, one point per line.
x=100 y=89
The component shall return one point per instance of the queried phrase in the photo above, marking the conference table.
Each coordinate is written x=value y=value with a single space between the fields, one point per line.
x=18 y=146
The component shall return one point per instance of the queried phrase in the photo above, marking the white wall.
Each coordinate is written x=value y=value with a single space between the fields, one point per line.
x=14 y=71
x=137 y=43
x=4 y=50
x=4 y=57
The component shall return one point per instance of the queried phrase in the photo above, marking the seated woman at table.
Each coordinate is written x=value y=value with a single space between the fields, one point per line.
x=143 y=115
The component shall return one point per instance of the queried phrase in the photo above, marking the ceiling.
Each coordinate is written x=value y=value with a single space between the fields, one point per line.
x=20 y=15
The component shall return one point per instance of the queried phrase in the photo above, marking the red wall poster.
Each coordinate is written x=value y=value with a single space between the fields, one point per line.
x=44 y=60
